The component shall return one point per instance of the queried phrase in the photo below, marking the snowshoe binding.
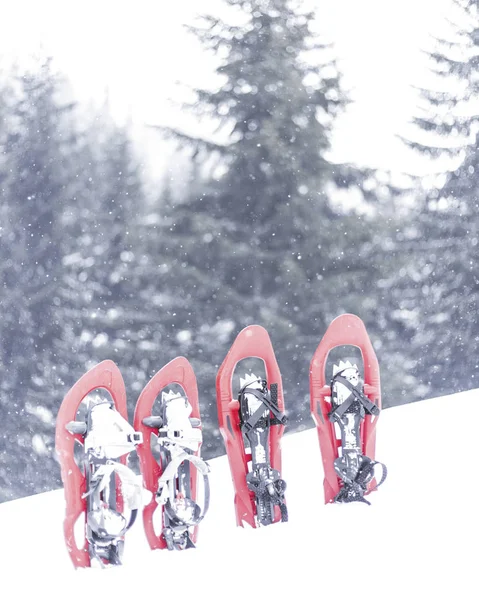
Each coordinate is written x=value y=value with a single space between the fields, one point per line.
x=349 y=406
x=171 y=477
x=252 y=427
x=258 y=412
x=99 y=488
x=346 y=412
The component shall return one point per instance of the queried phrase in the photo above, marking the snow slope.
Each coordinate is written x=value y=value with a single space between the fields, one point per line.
x=418 y=539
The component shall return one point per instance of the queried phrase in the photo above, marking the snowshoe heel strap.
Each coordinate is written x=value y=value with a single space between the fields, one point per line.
x=354 y=491
x=262 y=489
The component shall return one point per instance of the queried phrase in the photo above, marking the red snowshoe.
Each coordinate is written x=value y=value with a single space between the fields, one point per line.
x=102 y=494
x=346 y=412
x=252 y=426
x=174 y=434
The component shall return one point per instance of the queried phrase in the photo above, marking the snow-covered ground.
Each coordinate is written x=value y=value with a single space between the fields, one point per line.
x=417 y=540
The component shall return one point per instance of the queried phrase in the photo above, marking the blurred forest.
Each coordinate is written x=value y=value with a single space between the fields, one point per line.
x=93 y=267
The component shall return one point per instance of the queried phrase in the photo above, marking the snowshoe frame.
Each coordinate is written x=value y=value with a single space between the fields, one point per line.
x=347 y=329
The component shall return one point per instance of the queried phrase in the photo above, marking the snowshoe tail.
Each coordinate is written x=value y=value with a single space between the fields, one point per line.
x=173 y=478
x=348 y=474
x=105 y=375
x=259 y=489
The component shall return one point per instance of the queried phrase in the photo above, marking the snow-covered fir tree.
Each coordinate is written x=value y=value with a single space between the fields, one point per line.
x=441 y=284
x=260 y=238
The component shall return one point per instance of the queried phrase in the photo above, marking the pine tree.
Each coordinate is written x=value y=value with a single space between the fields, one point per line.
x=71 y=266
x=262 y=240
x=441 y=284
x=35 y=148
x=109 y=314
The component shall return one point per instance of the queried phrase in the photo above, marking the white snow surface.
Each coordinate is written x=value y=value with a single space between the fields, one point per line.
x=418 y=539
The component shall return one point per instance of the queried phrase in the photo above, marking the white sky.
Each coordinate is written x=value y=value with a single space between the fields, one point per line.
x=138 y=50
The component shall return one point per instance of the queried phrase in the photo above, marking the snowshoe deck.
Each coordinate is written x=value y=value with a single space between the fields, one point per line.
x=172 y=479
x=348 y=457
x=257 y=417
x=93 y=489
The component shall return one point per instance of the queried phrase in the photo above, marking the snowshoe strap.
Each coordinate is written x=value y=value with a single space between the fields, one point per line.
x=188 y=437
x=265 y=398
x=182 y=542
x=280 y=488
x=130 y=486
x=262 y=490
x=384 y=473
x=131 y=493
x=354 y=491
x=110 y=435
x=351 y=492
x=170 y=473
x=356 y=394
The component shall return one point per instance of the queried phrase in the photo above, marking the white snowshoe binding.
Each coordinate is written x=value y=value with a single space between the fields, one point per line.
x=179 y=442
x=109 y=514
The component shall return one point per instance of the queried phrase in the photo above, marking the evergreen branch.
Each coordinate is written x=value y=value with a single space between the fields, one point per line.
x=316 y=45
x=439 y=98
x=433 y=151
x=451 y=44
x=185 y=138
x=461 y=125
x=442 y=59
